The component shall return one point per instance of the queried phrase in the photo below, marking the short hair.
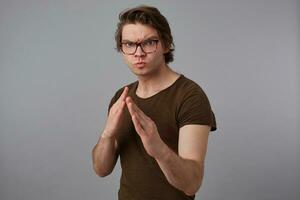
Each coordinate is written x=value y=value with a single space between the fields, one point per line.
x=150 y=16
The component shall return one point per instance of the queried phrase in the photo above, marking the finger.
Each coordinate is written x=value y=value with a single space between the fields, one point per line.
x=134 y=106
x=138 y=127
x=123 y=95
x=118 y=107
x=138 y=115
x=121 y=107
x=130 y=106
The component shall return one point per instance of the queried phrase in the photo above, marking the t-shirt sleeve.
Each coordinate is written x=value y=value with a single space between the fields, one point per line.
x=195 y=109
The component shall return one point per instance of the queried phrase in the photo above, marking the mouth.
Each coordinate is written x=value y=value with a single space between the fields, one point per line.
x=140 y=64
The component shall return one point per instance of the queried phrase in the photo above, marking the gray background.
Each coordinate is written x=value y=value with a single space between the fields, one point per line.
x=59 y=70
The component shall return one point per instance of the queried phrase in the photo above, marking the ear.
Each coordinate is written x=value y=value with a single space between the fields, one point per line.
x=165 y=48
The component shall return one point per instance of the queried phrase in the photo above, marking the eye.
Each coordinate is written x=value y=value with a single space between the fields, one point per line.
x=129 y=44
x=150 y=42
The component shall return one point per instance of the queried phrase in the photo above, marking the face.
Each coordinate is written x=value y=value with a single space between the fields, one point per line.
x=142 y=63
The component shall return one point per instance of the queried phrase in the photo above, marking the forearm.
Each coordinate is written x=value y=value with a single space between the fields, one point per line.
x=184 y=174
x=104 y=155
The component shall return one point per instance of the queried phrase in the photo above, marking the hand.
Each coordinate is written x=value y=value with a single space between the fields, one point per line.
x=146 y=128
x=115 y=116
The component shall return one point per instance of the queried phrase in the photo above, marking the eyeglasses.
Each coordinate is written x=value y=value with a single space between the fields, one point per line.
x=147 y=46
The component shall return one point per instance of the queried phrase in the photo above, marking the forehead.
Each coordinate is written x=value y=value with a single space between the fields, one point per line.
x=138 y=32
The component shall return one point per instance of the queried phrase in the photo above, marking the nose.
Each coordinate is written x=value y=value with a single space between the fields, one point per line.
x=139 y=51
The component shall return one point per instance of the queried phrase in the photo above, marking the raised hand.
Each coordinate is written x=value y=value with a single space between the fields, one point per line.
x=146 y=128
x=115 y=116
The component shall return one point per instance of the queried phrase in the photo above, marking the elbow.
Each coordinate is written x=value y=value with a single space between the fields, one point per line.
x=99 y=167
x=191 y=190
x=101 y=173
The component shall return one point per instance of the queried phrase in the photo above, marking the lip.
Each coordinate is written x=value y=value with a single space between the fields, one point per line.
x=140 y=64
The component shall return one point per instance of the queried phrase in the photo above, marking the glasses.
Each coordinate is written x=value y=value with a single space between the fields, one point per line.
x=147 y=46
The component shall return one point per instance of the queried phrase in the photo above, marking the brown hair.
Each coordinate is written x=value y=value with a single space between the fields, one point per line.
x=151 y=16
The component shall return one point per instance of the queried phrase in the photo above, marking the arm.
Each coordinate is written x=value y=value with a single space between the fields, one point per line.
x=104 y=154
x=185 y=171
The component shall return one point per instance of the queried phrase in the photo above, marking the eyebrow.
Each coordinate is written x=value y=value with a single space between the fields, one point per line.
x=149 y=38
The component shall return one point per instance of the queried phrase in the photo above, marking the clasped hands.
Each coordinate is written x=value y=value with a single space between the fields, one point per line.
x=144 y=125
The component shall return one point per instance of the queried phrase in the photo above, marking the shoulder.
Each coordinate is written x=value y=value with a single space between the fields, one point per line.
x=193 y=106
x=187 y=87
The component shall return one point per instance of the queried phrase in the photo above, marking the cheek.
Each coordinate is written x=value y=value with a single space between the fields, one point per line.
x=160 y=53
x=158 y=58
x=126 y=59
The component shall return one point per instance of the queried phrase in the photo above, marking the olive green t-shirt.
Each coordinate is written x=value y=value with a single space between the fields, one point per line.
x=182 y=103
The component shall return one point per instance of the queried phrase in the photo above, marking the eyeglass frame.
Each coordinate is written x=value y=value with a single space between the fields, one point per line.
x=139 y=44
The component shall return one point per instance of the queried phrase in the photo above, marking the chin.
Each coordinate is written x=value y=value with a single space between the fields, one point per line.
x=139 y=72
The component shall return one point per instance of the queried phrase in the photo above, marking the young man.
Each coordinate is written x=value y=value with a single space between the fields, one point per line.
x=159 y=125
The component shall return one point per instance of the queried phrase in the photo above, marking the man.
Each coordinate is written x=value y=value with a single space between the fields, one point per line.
x=159 y=125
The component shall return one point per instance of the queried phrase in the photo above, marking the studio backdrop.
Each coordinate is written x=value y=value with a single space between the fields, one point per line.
x=59 y=69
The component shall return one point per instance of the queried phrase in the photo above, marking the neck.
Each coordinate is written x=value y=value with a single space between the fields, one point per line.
x=150 y=85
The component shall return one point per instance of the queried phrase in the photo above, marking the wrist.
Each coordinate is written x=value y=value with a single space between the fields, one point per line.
x=164 y=153
x=108 y=137
x=105 y=136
